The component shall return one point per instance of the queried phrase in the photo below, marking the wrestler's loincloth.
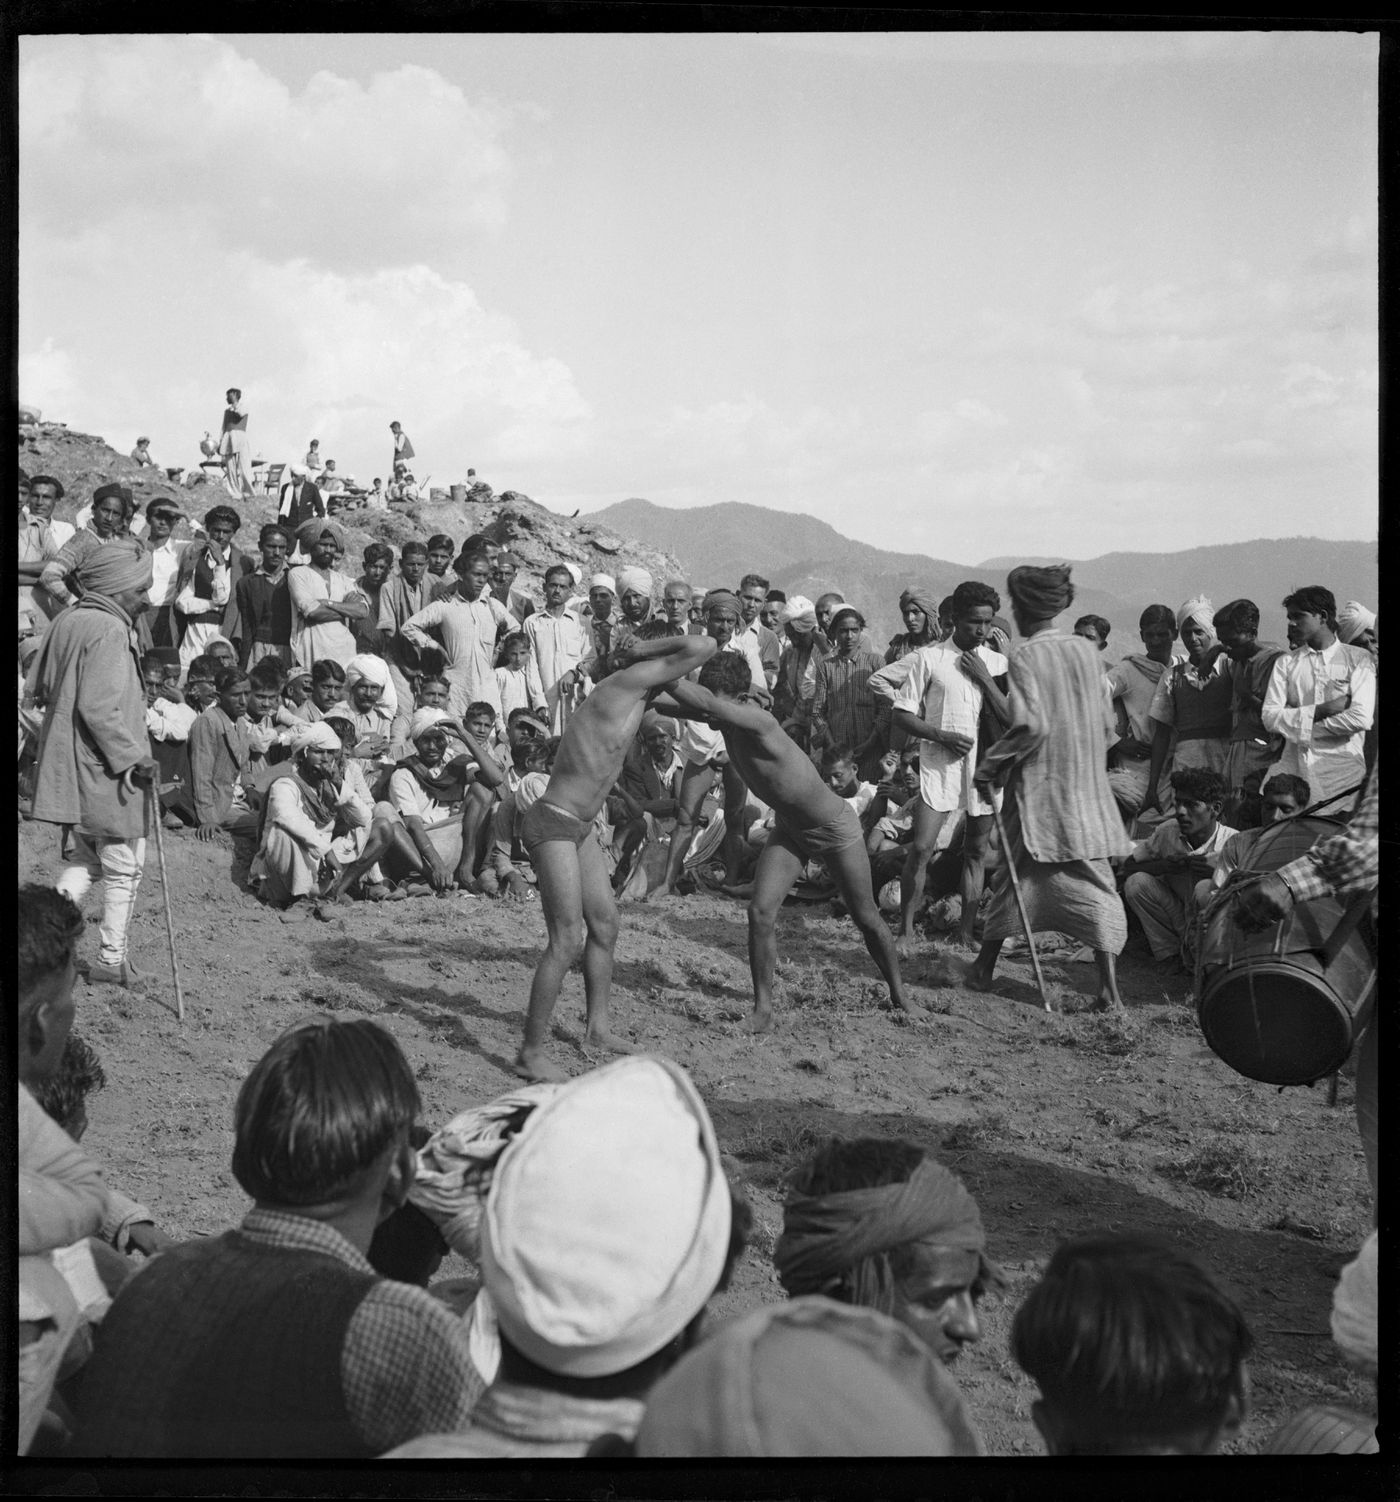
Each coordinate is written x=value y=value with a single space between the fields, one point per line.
x=546 y=821
x=816 y=841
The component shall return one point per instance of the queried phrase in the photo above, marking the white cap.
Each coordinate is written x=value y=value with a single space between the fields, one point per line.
x=607 y=1224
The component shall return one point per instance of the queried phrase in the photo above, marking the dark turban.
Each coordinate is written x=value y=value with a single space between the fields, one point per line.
x=311 y=532
x=120 y=491
x=828 y=1235
x=114 y=567
x=1041 y=592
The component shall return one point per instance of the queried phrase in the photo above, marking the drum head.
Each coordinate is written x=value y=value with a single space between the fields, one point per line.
x=1275 y=1022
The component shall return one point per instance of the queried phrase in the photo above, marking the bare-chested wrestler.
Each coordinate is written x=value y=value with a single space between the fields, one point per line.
x=557 y=832
x=811 y=823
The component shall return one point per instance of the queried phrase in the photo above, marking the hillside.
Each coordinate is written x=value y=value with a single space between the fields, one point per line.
x=801 y=554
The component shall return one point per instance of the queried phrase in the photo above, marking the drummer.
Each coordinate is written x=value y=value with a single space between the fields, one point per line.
x=1343 y=866
x=1285 y=797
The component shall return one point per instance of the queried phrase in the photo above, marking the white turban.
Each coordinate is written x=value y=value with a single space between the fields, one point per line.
x=371 y=669
x=1356 y=1302
x=425 y=719
x=298 y=471
x=607 y=1225
x=603 y=581
x=799 y=613
x=634 y=581
x=1352 y=619
x=317 y=737
x=575 y=573
x=1199 y=609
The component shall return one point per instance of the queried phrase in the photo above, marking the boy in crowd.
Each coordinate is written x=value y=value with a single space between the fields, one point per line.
x=811 y=822
x=327 y=690
x=402 y=595
x=518 y=678
x=378 y=560
x=1135 y=1348
x=200 y=692
x=575 y=886
x=441 y=551
x=1162 y=873
x=1095 y=629
x=264 y=604
x=219 y=755
x=1250 y=663
x=1283 y=797
x=266 y=738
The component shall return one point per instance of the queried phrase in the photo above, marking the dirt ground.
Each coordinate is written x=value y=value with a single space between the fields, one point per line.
x=1058 y=1124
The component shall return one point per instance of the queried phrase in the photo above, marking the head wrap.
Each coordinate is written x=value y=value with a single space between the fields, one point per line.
x=103 y=491
x=651 y=720
x=425 y=719
x=575 y=573
x=298 y=471
x=827 y=1235
x=1040 y=592
x=846 y=610
x=921 y=599
x=808 y=1377
x=505 y=556
x=799 y=613
x=1356 y=1304
x=722 y=599
x=215 y=641
x=311 y=532
x=603 y=581
x=607 y=1225
x=1352 y=619
x=1199 y=609
x=634 y=581
x=368 y=668
x=114 y=567
x=317 y=737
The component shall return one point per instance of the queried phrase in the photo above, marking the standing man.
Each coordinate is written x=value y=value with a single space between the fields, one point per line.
x=265 y=603
x=106 y=518
x=325 y=602
x=299 y=500
x=1250 y=664
x=675 y=606
x=205 y=597
x=403 y=449
x=558 y=834
x=753 y=592
x=234 y=448
x=379 y=559
x=1321 y=699
x=602 y=601
x=40 y=539
x=404 y=594
x=1062 y=825
x=561 y=644
x=94 y=761
x=941 y=703
x=161 y=516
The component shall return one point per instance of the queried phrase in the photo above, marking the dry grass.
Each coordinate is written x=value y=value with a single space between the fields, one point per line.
x=1222 y=1166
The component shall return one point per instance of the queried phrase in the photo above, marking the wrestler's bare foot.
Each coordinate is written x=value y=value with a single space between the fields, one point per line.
x=535 y=1065
x=661 y=893
x=761 y=1021
x=603 y=1038
x=738 y=889
x=904 y=946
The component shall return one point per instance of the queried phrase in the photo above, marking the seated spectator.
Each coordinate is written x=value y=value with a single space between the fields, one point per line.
x=267 y=736
x=838 y=770
x=1135 y=1348
x=219 y=757
x=371 y=705
x=200 y=692
x=61 y=1194
x=169 y=721
x=1164 y=871
x=141 y=454
x=375 y=499
x=330 y=482
x=645 y=801
x=327 y=691
x=1284 y=797
x=518 y=676
x=1330 y=1429
x=876 y=1221
x=279 y=1340
x=1132 y=684
x=599 y=1280
x=221 y=651
x=296 y=691
x=1356 y=626
x=806 y=1378
x=366 y=830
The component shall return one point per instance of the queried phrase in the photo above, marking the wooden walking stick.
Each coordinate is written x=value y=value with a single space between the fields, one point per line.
x=154 y=805
x=1020 y=905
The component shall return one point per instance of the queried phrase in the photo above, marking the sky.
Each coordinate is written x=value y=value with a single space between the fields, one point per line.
x=963 y=294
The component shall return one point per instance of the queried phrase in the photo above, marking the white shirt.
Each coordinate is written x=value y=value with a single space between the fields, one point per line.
x=938 y=691
x=165 y=569
x=1326 y=753
x=310 y=588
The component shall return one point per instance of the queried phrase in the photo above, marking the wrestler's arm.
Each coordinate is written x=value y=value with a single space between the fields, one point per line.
x=649 y=664
x=698 y=703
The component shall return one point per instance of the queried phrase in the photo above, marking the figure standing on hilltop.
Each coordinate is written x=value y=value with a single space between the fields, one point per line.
x=233 y=447
x=403 y=446
x=580 y=912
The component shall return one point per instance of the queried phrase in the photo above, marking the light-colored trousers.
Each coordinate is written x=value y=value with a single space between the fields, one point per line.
x=118 y=864
x=1166 y=907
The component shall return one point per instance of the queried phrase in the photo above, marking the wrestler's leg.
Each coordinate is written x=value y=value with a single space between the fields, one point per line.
x=736 y=797
x=850 y=868
x=600 y=922
x=556 y=865
x=778 y=868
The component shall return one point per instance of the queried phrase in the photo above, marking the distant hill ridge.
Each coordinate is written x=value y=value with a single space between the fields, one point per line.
x=802 y=554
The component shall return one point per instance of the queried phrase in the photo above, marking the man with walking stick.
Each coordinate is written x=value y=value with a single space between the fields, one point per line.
x=1061 y=824
x=94 y=761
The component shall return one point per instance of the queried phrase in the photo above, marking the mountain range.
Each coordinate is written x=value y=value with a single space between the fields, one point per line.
x=802 y=555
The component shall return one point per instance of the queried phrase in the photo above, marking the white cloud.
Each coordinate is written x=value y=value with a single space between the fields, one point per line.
x=46 y=378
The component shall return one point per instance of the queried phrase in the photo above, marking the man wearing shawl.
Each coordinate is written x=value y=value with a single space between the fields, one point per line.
x=918 y=607
x=94 y=762
x=324 y=601
x=803 y=650
x=876 y=1222
x=1249 y=663
x=40 y=538
x=206 y=588
x=104 y=524
x=1062 y=825
x=634 y=590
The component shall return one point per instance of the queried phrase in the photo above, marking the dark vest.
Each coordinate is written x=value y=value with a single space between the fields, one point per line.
x=224 y=1348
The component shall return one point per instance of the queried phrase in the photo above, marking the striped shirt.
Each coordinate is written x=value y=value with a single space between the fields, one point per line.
x=843 y=703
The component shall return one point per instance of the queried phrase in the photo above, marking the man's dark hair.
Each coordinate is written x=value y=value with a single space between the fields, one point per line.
x=971 y=594
x=378 y=552
x=150 y=662
x=1237 y=616
x=652 y=630
x=57 y=485
x=1199 y=784
x=267 y=672
x=846 y=610
x=945 y=608
x=414 y=549
x=1157 y=615
x=726 y=673
x=344 y=727
x=48 y=926
x=553 y=572
x=273 y=529
x=162 y=503
x=477 y=708
x=1298 y=788
x=465 y=560
x=752 y=581
x=1132 y=1341
x=833 y=755
x=1316 y=599
x=316 y=1111
x=776 y=597
x=440 y=540
x=428 y=678
x=79 y=1073
x=204 y=668
x=223 y=514
x=327 y=670
x=226 y=678
x=479 y=542
x=1096 y=624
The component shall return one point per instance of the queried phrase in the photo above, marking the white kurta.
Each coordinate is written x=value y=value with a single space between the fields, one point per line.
x=469 y=630
x=938 y=691
x=1327 y=753
x=309 y=588
x=560 y=643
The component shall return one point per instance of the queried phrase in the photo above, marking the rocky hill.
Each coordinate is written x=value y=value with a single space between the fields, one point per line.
x=801 y=554
x=83 y=461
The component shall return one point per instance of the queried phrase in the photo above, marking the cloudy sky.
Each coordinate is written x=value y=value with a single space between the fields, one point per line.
x=962 y=294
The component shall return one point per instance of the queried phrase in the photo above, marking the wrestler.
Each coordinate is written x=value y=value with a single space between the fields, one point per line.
x=811 y=823
x=557 y=832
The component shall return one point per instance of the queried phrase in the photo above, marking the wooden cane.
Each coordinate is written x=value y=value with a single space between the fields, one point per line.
x=1020 y=905
x=154 y=806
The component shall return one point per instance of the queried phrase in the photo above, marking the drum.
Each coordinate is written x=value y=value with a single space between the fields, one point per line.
x=1280 y=1005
